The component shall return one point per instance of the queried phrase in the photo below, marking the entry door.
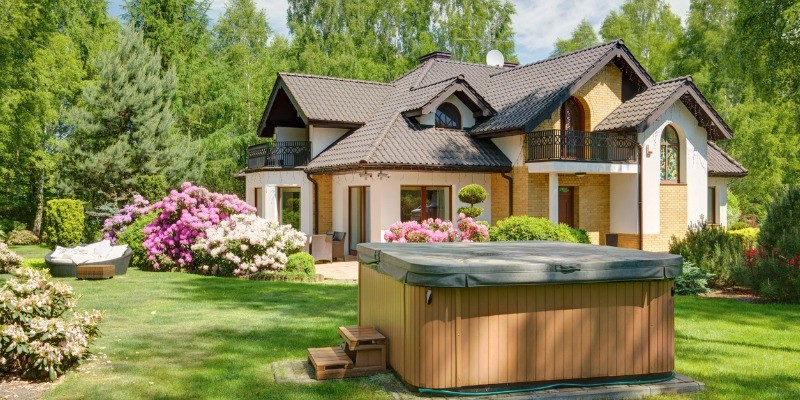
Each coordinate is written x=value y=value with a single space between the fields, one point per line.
x=359 y=217
x=566 y=205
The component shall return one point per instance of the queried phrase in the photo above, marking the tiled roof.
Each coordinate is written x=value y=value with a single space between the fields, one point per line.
x=324 y=98
x=721 y=164
x=636 y=110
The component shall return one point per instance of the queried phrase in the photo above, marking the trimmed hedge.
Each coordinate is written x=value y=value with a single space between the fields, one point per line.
x=301 y=264
x=530 y=228
x=64 y=220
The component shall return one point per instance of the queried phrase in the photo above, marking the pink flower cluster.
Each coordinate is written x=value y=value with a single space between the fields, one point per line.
x=119 y=222
x=436 y=230
x=184 y=217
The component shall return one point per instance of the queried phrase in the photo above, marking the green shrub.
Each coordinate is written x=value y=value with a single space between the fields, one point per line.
x=151 y=187
x=531 y=228
x=781 y=228
x=302 y=264
x=472 y=194
x=63 y=223
x=9 y=225
x=21 y=237
x=133 y=236
x=693 y=280
x=748 y=236
x=714 y=250
x=94 y=221
x=738 y=225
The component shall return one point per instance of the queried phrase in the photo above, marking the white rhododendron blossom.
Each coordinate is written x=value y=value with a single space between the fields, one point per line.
x=247 y=244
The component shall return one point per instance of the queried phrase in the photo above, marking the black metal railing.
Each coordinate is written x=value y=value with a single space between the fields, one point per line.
x=279 y=154
x=556 y=144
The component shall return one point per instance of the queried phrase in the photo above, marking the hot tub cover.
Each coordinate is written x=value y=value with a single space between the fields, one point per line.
x=514 y=263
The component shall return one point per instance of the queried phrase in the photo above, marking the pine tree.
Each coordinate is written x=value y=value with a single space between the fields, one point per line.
x=123 y=128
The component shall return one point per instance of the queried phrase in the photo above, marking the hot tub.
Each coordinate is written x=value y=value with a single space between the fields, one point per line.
x=468 y=315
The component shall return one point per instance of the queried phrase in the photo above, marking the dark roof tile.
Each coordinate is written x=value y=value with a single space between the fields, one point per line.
x=721 y=164
x=323 y=98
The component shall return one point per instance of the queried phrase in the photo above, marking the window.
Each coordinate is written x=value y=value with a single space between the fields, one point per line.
x=448 y=116
x=670 y=155
x=572 y=115
x=712 y=205
x=257 y=202
x=418 y=203
x=289 y=201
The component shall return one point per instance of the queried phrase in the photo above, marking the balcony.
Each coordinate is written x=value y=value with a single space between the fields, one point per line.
x=559 y=145
x=287 y=154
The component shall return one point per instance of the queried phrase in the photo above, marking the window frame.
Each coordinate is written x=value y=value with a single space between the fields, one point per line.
x=296 y=189
x=664 y=144
x=459 y=123
x=424 y=200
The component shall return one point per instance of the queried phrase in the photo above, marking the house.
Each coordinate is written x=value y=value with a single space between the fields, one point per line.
x=587 y=138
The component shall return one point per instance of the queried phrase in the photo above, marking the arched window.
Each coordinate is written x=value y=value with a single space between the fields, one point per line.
x=670 y=155
x=447 y=116
x=572 y=115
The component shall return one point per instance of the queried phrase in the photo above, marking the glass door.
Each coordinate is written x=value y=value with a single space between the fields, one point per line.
x=359 y=216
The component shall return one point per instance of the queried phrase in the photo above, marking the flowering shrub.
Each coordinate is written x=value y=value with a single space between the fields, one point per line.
x=21 y=237
x=184 y=217
x=117 y=224
x=8 y=259
x=36 y=340
x=436 y=230
x=246 y=244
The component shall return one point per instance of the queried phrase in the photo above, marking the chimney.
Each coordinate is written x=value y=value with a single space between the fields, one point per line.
x=436 y=55
x=511 y=65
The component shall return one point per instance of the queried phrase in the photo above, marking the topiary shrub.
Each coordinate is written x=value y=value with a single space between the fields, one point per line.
x=713 y=250
x=692 y=281
x=301 y=265
x=21 y=237
x=37 y=340
x=63 y=223
x=133 y=236
x=8 y=259
x=472 y=194
x=531 y=228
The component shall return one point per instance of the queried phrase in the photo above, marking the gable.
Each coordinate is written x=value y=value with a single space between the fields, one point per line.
x=467 y=113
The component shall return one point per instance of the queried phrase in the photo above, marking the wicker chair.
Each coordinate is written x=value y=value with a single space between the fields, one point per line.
x=322 y=247
x=339 y=245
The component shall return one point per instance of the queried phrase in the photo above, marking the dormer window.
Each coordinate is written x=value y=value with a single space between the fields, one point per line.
x=448 y=116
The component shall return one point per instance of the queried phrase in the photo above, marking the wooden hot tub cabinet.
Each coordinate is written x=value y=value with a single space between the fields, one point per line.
x=519 y=327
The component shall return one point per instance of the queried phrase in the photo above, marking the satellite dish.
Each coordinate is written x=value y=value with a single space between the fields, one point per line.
x=495 y=58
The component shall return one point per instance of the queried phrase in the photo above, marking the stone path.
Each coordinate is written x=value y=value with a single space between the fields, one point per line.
x=299 y=371
x=341 y=270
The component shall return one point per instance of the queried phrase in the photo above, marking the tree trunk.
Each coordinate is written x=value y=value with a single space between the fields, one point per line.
x=37 y=223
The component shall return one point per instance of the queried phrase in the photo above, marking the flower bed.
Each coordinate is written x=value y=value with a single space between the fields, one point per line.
x=437 y=230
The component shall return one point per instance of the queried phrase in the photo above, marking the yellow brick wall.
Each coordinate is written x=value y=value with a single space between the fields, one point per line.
x=538 y=200
x=520 y=175
x=601 y=95
x=325 y=203
x=674 y=217
x=499 y=196
x=592 y=204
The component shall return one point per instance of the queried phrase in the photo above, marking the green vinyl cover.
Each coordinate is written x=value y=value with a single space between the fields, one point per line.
x=514 y=263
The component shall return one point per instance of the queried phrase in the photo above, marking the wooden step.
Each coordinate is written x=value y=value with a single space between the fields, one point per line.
x=356 y=336
x=329 y=362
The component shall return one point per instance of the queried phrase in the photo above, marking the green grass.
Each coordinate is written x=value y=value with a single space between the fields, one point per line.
x=174 y=335
x=31 y=251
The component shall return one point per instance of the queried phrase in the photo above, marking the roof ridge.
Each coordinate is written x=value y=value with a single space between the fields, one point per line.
x=452 y=78
x=679 y=78
x=374 y=147
x=615 y=41
x=467 y=63
x=333 y=78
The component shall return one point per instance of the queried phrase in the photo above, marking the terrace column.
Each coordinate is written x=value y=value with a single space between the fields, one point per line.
x=270 y=202
x=553 y=196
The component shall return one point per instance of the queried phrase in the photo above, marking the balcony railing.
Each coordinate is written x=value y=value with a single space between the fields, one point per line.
x=556 y=144
x=279 y=154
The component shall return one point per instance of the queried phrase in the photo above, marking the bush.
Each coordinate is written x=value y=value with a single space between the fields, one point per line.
x=119 y=221
x=472 y=194
x=530 y=228
x=8 y=259
x=244 y=245
x=9 y=225
x=738 y=225
x=37 y=340
x=748 y=236
x=63 y=225
x=302 y=265
x=715 y=251
x=430 y=230
x=21 y=237
x=133 y=236
x=781 y=228
x=151 y=187
x=693 y=280
x=93 y=225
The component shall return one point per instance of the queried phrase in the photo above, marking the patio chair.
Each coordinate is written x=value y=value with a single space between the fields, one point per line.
x=339 y=245
x=322 y=248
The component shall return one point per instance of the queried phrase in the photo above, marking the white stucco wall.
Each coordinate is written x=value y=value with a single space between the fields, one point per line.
x=283 y=134
x=385 y=195
x=270 y=181
x=624 y=210
x=721 y=185
x=467 y=119
x=512 y=147
x=693 y=168
x=321 y=137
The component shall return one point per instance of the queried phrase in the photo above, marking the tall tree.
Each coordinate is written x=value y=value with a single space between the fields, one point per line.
x=122 y=130
x=582 y=37
x=650 y=30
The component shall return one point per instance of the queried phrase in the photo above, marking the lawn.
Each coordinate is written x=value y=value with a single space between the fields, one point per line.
x=31 y=251
x=174 y=335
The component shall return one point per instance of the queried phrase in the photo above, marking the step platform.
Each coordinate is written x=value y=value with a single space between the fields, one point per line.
x=361 y=353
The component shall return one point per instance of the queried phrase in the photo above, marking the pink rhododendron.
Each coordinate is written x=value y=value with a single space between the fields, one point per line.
x=436 y=230
x=117 y=224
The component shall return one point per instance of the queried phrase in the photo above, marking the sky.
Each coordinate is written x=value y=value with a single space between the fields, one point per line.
x=537 y=24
